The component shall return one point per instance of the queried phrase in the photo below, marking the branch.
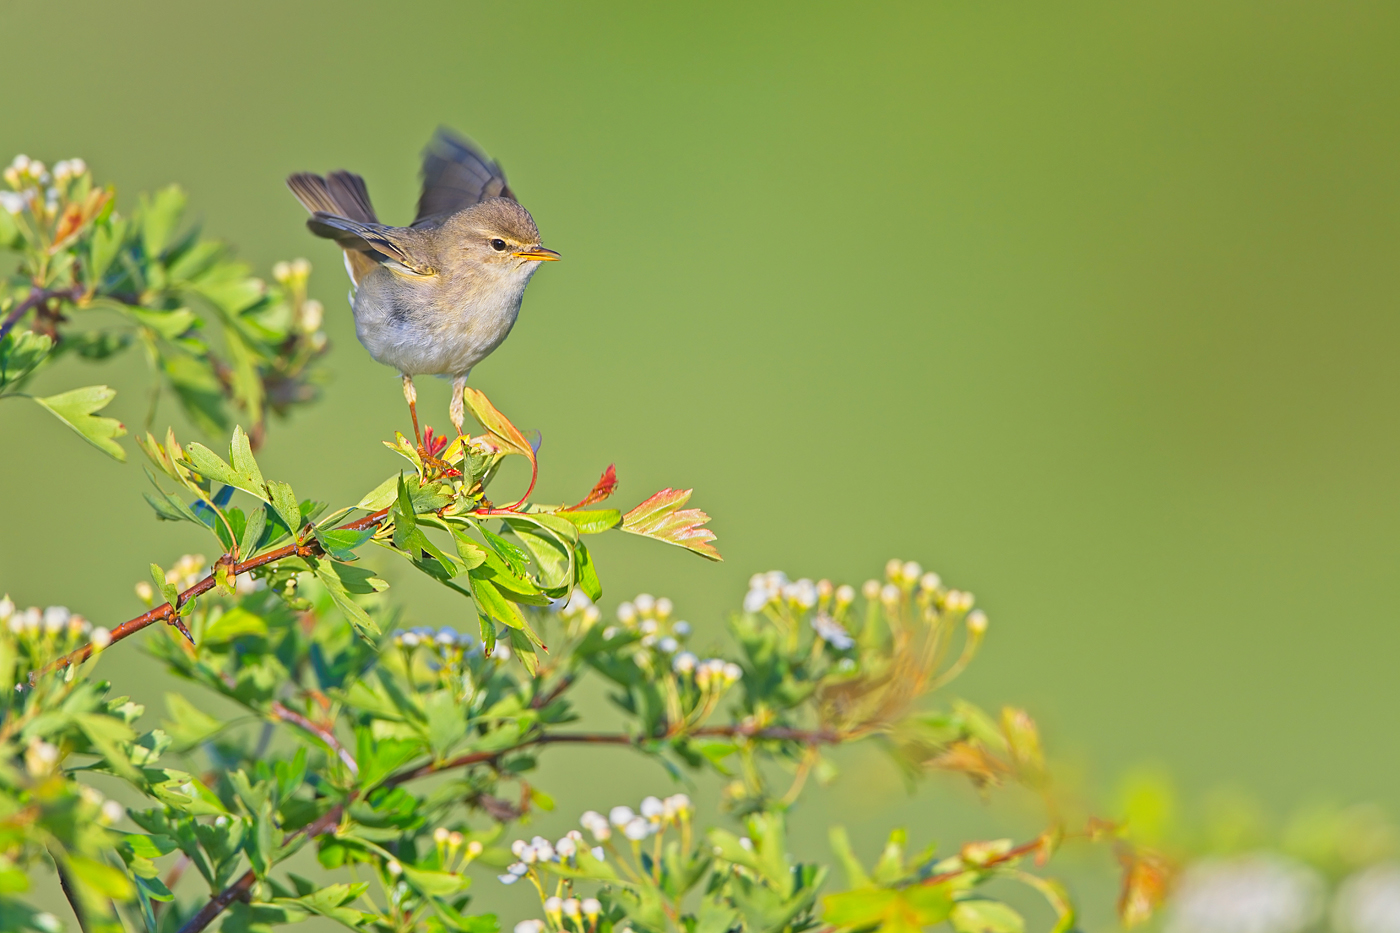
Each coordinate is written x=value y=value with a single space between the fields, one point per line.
x=166 y=612
x=240 y=889
x=36 y=297
x=779 y=733
x=321 y=732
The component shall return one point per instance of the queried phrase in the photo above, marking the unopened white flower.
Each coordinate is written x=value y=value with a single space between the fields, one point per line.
x=301 y=267
x=610 y=632
x=664 y=608
x=889 y=595
x=681 y=629
x=20 y=163
x=637 y=829
x=733 y=672
x=113 y=812
x=12 y=201
x=845 y=594
x=393 y=867
x=870 y=589
x=410 y=639
x=678 y=805
x=312 y=314
x=591 y=907
x=55 y=618
x=620 y=816
x=530 y=926
x=591 y=615
x=668 y=645
x=1250 y=894
x=977 y=622
x=893 y=568
x=518 y=848
x=501 y=653
x=40 y=757
x=911 y=572
x=545 y=853
x=507 y=878
x=627 y=613
x=440 y=835
x=101 y=638
x=446 y=637
x=832 y=632
x=7 y=608
x=571 y=909
x=554 y=908
x=684 y=662
x=803 y=593
x=597 y=853
x=33 y=618
x=1369 y=901
x=755 y=600
x=775 y=580
x=566 y=848
x=652 y=808
x=746 y=842
x=930 y=582
x=518 y=868
x=645 y=603
x=474 y=847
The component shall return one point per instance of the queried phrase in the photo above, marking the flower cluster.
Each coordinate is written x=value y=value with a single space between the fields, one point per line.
x=653 y=816
x=540 y=851
x=54 y=624
x=454 y=852
x=578 y=613
x=582 y=915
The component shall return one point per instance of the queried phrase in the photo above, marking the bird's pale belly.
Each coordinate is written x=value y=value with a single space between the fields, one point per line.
x=438 y=341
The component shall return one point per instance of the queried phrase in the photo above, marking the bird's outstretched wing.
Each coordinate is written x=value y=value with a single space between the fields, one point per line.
x=340 y=193
x=456 y=175
x=394 y=247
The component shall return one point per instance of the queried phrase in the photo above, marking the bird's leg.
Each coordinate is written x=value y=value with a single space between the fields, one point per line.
x=411 y=394
x=455 y=410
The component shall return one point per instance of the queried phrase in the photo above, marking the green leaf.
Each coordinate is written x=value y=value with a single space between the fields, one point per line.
x=983 y=916
x=108 y=735
x=341 y=543
x=101 y=877
x=661 y=517
x=160 y=215
x=242 y=473
x=252 y=532
x=75 y=408
x=235 y=623
x=169 y=324
x=524 y=650
x=841 y=845
x=586 y=577
x=594 y=522
x=329 y=575
x=906 y=910
x=188 y=724
x=285 y=502
x=106 y=243
x=169 y=592
x=27 y=351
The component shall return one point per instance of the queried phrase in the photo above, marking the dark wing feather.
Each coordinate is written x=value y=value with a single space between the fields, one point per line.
x=456 y=175
x=386 y=245
x=342 y=193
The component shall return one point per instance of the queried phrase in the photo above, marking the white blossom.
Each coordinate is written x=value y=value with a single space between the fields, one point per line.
x=620 y=816
x=591 y=907
x=684 y=663
x=1249 y=894
x=652 y=808
x=832 y=632
x=637 y=829
x=645 y=603
x=530 y=926
x=681 y=629
x=1369 y=901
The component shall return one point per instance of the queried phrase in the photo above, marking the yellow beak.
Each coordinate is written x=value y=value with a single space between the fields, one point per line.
x=538 y=254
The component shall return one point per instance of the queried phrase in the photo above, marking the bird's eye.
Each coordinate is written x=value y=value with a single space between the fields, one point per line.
x=498 y=245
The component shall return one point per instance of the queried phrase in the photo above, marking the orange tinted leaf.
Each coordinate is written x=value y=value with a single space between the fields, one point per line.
x=507 y=436
x=974 y=760
x=661 y=517
x=1146 y=877
x=606 y=486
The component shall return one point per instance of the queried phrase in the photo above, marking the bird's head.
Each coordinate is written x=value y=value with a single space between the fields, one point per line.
x=500 y=236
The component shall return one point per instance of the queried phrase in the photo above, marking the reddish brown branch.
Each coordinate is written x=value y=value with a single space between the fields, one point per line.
x=37 y=296
x=165 y=613
x=321 y=732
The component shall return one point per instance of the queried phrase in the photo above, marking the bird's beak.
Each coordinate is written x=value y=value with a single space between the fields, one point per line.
x=537 y=254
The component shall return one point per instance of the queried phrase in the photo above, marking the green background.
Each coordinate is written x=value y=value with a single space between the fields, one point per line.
x=1091 y=309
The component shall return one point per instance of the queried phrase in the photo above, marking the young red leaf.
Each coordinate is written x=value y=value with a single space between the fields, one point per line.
x=661 y=517
x=606 y=486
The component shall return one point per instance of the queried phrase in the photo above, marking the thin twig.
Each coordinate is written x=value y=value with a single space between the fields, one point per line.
x=67 y=886
x=163 y=613
x=37 y=296
x=321 y=732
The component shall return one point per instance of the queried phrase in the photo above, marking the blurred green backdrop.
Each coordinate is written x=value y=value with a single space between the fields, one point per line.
x=1091 y=309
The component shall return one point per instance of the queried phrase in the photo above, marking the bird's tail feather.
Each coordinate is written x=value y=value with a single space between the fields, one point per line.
x=340 y=193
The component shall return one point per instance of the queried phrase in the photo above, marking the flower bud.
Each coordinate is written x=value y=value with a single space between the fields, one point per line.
x=870 y=589
x=627 y=613
x=530 y=926
x=113 y=812
x=566 y=848
x=554 y=908
x=911 y=572
x=684 y=663
x=645 y=603
x=893 y=567
x=889 y=595
x=637 y=829
x=845 y=594
x=663 y=609
x=930 y=582
x=7 y=608
x=101 y=638
x=620 y=816
x=312 y=314
x=652 y=808
x=474 y=847
x=681 y=629
x=591 y=907
x=977 y=622
x=571 y=909
x=393 y=867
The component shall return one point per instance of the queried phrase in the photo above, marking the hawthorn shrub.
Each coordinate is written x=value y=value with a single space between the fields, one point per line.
x=344 y=717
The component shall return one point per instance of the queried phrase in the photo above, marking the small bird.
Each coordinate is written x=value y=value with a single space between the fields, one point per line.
x=435 y=297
